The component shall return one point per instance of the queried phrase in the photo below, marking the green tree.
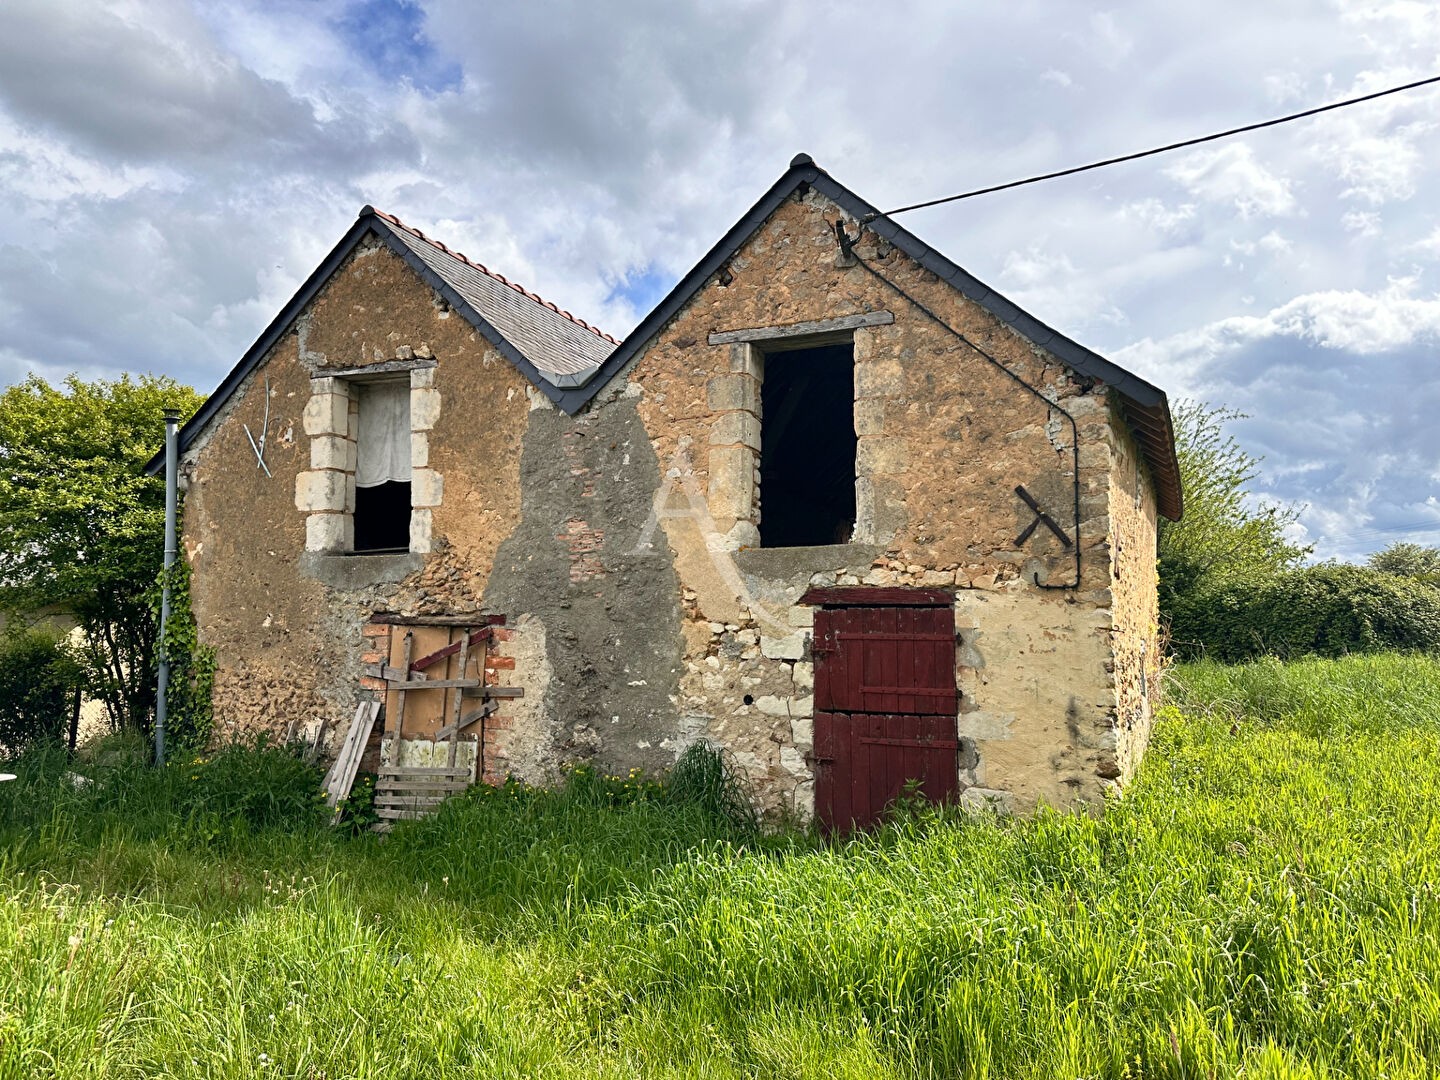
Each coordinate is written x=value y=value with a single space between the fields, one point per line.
x=1408 y=560
x=1226 y=535
x=82 y=526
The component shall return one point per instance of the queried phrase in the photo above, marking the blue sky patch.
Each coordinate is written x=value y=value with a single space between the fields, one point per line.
x=390 y=34
x=642 y=288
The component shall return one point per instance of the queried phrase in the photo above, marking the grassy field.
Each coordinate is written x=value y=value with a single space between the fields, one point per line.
x=1261 y=903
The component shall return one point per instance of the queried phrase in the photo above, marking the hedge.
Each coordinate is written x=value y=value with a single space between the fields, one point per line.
x=1325 y=610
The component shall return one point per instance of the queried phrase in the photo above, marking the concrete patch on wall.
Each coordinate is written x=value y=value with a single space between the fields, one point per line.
x=608 y=604
x=1038 y=707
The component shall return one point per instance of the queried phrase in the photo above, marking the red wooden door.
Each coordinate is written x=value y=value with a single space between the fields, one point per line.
x=885 y=705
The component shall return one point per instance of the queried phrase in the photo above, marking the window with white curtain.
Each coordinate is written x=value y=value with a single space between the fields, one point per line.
x=382 y=467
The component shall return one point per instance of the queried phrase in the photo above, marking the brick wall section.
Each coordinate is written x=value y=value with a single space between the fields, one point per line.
x=499 y=725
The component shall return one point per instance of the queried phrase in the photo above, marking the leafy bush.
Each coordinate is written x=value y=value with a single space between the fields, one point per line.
x=39 y=680
x=1326 y=610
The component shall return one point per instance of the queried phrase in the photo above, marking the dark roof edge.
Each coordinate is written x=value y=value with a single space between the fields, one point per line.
x=368 y=222
x=1145 y=406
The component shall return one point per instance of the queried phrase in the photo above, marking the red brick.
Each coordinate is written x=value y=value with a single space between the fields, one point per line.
x=372 y=657
x=369 y=683
x=500 y=663
x=375 y=630
x=501 y=634
x=499 y=723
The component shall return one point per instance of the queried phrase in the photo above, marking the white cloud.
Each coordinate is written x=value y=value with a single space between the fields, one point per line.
x=1230 y=174
x=173 y=170
x=1164 y=219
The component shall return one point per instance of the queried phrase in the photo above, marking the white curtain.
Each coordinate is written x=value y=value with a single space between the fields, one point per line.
x=384 y=438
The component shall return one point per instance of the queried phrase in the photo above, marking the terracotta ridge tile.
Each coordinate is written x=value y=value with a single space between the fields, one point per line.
x=393 y=220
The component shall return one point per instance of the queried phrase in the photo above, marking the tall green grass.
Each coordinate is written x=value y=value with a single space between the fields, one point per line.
x=1261 y=903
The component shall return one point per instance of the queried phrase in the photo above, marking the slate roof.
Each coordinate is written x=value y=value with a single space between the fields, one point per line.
x=556 y=342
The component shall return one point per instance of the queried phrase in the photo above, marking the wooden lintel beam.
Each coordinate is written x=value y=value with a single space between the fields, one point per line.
x=803 y=329
x=390 y=618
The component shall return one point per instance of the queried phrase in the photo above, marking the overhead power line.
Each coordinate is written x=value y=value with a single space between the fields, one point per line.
x=1159 y=149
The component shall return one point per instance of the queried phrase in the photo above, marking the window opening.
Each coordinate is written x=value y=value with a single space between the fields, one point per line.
x=382 y=467
x=807 y=440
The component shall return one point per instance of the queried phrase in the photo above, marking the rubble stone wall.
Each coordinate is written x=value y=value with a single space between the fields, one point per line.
x=621 y=543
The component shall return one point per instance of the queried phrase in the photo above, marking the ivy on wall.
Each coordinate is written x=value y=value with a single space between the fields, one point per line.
x=189 y=698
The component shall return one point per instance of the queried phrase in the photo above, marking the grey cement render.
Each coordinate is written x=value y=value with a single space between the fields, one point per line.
x=613 y=637
x=358 y=571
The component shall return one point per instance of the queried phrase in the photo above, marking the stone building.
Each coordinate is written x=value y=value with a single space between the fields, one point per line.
x=834 y=505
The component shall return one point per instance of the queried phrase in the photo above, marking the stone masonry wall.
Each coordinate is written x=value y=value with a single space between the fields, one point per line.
x=621 y=543
x=1135 y=601
x=944 y=438
x=286 y=623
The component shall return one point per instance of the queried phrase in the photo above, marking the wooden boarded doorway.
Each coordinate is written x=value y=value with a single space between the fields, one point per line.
x=885 y=700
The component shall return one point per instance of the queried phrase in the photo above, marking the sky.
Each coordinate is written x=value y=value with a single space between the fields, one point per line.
x=171 y=171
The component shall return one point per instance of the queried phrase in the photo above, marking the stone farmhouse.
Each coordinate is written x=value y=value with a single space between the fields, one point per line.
x=834 y=505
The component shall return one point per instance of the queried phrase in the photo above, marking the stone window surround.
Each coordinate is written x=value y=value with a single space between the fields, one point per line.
x=326 y=492
x=733 y=399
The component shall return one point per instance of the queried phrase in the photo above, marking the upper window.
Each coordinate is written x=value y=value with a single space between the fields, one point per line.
x=382 y=468
x=807 y=440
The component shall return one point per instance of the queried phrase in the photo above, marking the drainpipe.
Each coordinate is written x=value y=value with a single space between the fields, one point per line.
x=172 y=420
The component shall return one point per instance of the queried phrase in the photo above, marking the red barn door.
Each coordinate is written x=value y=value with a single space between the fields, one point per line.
x=885 y=700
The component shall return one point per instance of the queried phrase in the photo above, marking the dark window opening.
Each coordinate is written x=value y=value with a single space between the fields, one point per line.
x=382 y=517
x=807 y=440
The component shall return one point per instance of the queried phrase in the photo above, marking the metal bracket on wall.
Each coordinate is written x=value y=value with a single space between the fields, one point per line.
x=1041 y=518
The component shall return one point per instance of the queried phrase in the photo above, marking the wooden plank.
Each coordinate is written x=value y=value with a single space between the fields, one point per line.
x=909 y=740
x=411 y=802
x=875 y=596
x=341 y=777
x=450 y=650
x=423 y=783
x=461 y=778
x=433 y=684
x=400 y=702
x=382 y=367
x=844 y=768
x=401 y=815
x=386 y=618
x=886 y=665
x=862 y=808
x=415 y=770
x=412 y=798
x=463 y=661
x=466 y=720
x=337 y=767
x=396 y=798
x=823 y=766
x=319 y=740
x=823 y=650
x=803 y=329
x=504 y=692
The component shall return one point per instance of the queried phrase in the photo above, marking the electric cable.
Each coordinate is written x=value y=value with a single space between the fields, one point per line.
x=1156 y=150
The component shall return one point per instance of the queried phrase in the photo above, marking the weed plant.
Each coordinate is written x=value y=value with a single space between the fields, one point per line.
x=1262 y=902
